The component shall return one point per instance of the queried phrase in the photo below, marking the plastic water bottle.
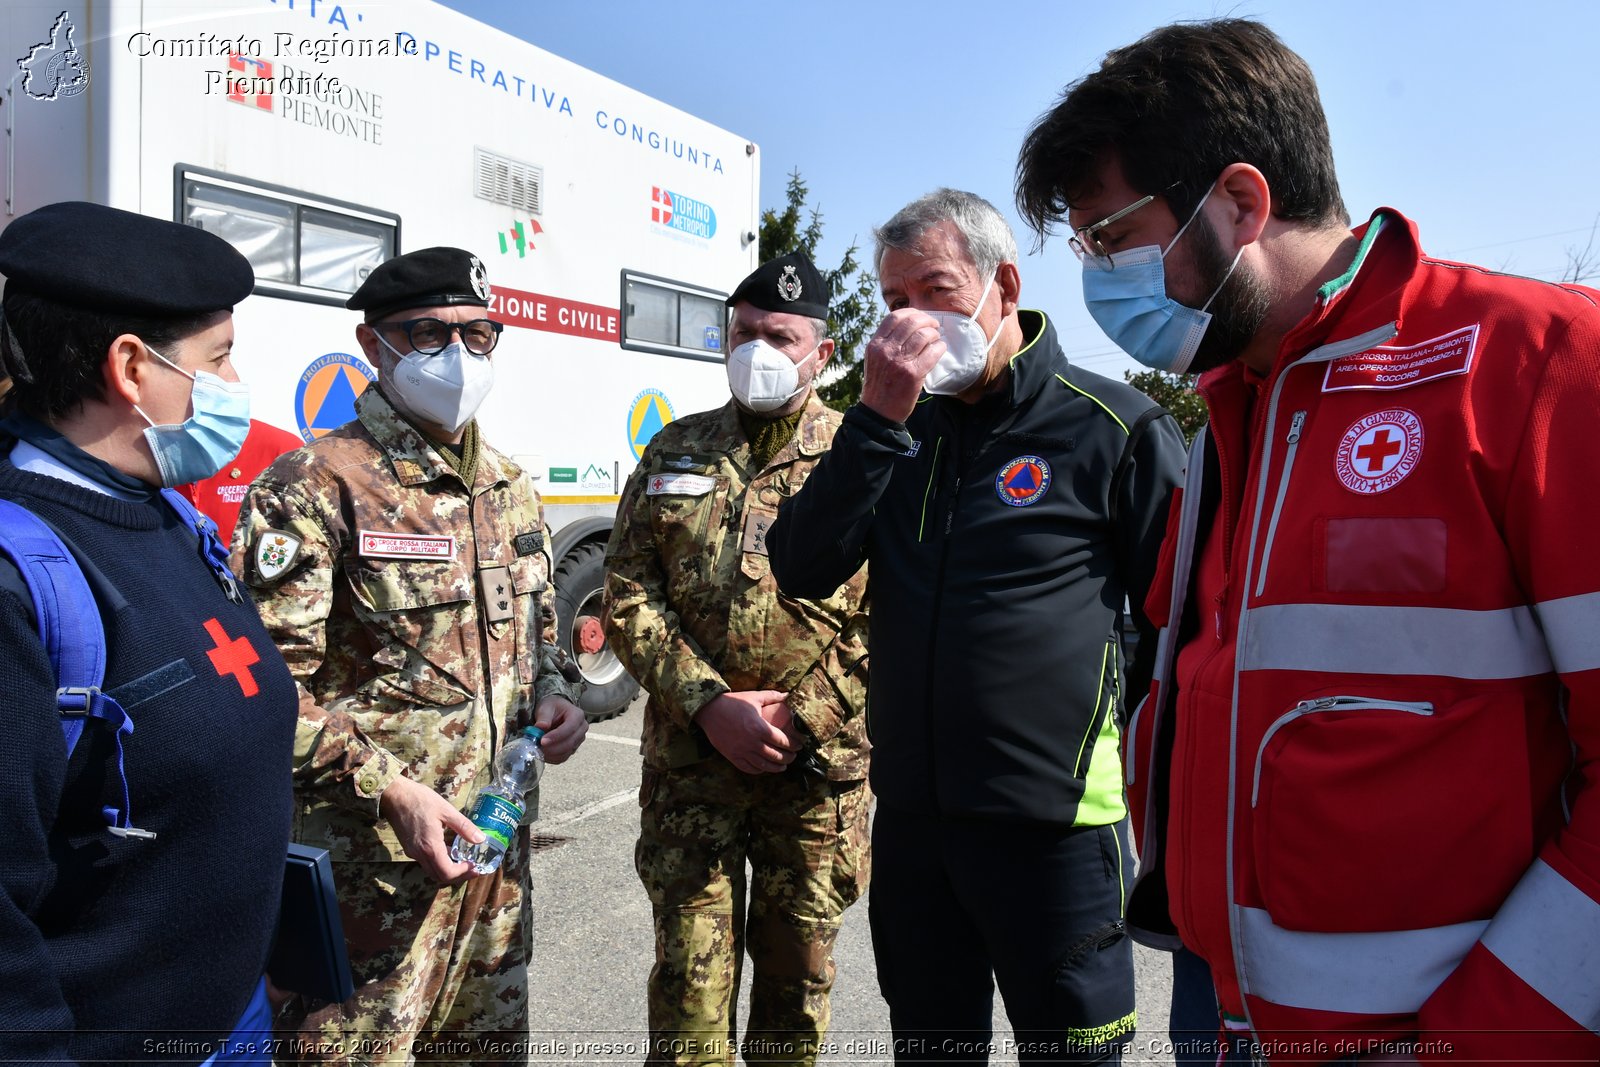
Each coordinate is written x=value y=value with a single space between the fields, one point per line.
x=498 y=809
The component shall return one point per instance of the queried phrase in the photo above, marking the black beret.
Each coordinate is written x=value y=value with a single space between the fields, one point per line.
x=789 y=283
x=428 y=277
x=102 y=259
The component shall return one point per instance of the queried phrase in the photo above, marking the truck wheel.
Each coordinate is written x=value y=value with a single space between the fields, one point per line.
x=579 y=581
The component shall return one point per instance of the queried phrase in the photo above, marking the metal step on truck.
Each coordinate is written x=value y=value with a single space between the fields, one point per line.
x=322 y=138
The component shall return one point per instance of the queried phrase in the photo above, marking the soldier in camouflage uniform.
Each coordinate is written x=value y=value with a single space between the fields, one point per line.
x=754 y=738
x=402 y=566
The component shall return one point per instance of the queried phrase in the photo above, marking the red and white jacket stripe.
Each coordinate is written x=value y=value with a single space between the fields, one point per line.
x=1367 y=777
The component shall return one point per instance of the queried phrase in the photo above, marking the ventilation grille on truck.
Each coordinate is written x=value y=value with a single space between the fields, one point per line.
x=501 y=180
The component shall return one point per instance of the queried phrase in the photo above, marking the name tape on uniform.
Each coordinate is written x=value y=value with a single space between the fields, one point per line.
x=376 y=545
x=1387 y=367
x=679 y=485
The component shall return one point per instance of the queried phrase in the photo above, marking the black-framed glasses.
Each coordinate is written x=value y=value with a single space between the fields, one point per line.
x=431 y=336
x=1085 y=242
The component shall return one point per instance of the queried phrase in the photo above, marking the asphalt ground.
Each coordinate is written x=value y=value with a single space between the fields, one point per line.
x=592 y=944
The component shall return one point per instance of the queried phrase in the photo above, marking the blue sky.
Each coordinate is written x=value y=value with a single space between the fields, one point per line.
x=1477 y=119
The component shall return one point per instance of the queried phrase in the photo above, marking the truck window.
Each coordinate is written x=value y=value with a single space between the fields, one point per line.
x=302 y=247
x=671 y=317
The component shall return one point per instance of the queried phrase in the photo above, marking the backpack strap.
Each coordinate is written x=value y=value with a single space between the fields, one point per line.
x=212 y=550
x=68 y=621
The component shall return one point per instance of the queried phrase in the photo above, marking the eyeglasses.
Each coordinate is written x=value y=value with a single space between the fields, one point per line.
x=431 y=336
x=1084 y=242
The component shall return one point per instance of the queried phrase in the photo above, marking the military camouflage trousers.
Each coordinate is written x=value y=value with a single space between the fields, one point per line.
x=806 y=843
x=441 y=973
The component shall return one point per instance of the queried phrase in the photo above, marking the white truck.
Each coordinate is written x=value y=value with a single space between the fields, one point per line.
x=321 y=138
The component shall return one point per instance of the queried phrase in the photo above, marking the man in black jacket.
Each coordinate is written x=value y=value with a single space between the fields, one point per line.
x=1009 y=515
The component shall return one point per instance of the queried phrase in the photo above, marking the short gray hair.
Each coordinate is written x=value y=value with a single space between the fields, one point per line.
x=990 y=241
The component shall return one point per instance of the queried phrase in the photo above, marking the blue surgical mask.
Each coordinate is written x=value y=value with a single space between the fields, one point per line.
x=197 y=447
x=1126 y=293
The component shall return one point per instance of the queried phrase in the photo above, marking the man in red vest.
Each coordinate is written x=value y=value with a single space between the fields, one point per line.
x=1368 y=774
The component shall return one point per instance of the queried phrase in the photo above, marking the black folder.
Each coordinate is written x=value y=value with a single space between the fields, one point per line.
x=309 y=955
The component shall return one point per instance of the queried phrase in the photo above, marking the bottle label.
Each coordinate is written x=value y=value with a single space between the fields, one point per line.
x=497 y=817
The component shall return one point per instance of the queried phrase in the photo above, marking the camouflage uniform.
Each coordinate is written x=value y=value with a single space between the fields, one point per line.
x=694 y=613
x=418 y=658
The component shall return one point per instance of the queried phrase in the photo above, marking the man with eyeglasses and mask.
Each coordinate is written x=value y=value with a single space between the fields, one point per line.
x=140 y=877
x=1009 y=504
x=402 y=565
x=1367 y=771
x=754 y=741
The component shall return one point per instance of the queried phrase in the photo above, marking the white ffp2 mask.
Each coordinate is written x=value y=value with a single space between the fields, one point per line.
x=761 y=377
x=966 y=350
x=446 y=388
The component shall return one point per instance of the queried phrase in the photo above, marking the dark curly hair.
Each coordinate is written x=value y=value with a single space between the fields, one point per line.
x=1176 y=107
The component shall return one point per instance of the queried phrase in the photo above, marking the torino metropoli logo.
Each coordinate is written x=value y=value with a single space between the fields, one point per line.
x=681 y=213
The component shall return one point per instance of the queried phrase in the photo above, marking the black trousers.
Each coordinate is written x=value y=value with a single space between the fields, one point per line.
x=959 y=905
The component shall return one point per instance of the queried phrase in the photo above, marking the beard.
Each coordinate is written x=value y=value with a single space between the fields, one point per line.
x=1239 y=308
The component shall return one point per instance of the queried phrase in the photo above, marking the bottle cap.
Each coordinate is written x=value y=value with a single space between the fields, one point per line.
x=533 y=732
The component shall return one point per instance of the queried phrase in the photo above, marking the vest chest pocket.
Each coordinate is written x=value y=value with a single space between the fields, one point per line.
x=420 y=605
x=684 y=512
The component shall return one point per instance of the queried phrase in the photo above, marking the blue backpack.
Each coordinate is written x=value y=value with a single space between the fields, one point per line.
x=68 y=620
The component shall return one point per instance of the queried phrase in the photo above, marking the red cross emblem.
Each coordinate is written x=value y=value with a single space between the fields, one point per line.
x=1378 y=451
x=657 y=484
x=233 y=656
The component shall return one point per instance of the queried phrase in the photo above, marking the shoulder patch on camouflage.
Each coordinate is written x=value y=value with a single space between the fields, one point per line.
x=275 y=553
x=526 y=544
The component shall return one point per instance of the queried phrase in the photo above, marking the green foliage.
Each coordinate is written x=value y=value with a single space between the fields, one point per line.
x=1176 y=393
x=852 y=290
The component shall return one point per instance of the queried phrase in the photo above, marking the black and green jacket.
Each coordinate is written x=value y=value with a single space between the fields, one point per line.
x=1003 y=537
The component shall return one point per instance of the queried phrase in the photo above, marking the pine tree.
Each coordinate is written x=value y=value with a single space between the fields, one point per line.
x=852 y=290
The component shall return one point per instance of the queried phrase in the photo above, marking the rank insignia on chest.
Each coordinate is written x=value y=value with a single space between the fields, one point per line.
x=275 y=553
x=526 y=544
x=494 y=583
x=1023 y=481
x=757 y=521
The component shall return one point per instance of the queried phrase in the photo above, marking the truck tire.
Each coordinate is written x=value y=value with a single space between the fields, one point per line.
x=580 y=581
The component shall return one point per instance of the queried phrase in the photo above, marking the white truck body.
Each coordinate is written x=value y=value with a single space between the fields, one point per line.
x=321 y=138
